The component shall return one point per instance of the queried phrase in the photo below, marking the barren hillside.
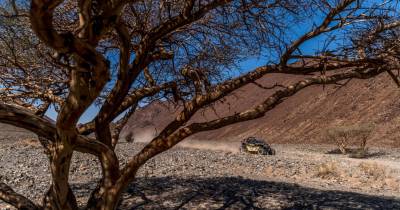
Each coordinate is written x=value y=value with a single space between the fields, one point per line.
x=300 y=119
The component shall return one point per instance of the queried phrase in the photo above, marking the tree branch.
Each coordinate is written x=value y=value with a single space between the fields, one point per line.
x=162 y=143
x=322 y=28
x=19 y=201
x=147 y=45
x=25 y=119
x=42 y=127
x=128 y=102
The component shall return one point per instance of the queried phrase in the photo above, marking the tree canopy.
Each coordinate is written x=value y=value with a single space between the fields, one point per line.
x=119 y=54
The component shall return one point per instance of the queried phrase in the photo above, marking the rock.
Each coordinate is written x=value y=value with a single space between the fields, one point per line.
x=196 y=173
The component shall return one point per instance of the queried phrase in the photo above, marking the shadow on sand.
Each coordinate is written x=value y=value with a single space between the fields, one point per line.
x=351 y=151
x=240 y=193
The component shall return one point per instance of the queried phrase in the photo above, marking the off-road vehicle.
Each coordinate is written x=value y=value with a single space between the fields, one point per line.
x=253 y=145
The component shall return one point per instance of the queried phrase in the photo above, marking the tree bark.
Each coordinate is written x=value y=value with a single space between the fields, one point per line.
x=49 y=203
x=60 y=195
x=9 y=196
x=103 y=198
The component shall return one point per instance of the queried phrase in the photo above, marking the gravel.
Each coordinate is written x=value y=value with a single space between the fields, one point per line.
x=185 y=178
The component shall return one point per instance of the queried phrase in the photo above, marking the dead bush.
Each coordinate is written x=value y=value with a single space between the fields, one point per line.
x=373 y=170
x=359 y=153
x=327 y=170
x=379 y=175
x=31 y=142
x=129 y=137
x=341 y=136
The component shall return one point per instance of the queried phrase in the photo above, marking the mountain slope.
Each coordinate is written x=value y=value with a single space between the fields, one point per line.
x=302 y=118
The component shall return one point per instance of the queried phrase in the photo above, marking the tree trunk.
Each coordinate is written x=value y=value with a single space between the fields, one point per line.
x=60 y=195
x=50 y=202
x=97 y=197
x=102 y=198
x=95 y=200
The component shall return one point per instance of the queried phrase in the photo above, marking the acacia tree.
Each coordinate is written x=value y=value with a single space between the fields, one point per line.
x=119 y=53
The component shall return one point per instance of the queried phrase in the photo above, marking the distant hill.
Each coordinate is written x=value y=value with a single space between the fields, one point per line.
x=11 y=134
x=300 y=119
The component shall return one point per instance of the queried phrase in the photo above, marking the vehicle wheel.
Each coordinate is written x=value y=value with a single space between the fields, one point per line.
x=242 y=149
x=273 y=152
x=261 y=151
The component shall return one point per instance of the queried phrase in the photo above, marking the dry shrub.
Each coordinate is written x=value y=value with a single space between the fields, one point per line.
x=327 y=170
x=373 y=170
x=359 y=153
x=341 y=136
x=129 y=137
x=30 y=142
x=379 y=176
x=392 y=183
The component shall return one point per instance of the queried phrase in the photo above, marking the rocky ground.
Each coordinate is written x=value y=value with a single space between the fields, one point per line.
x=297 y=177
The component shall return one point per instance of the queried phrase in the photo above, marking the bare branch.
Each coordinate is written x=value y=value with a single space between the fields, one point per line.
x=19 y=201
x=21 y=118
x=322 y=28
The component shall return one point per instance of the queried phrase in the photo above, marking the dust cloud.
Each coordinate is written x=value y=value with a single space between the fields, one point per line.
x=211 y=145
x=146 y=136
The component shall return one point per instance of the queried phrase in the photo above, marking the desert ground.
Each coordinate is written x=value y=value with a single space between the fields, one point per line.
x=319 y=81
x=215 y=175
